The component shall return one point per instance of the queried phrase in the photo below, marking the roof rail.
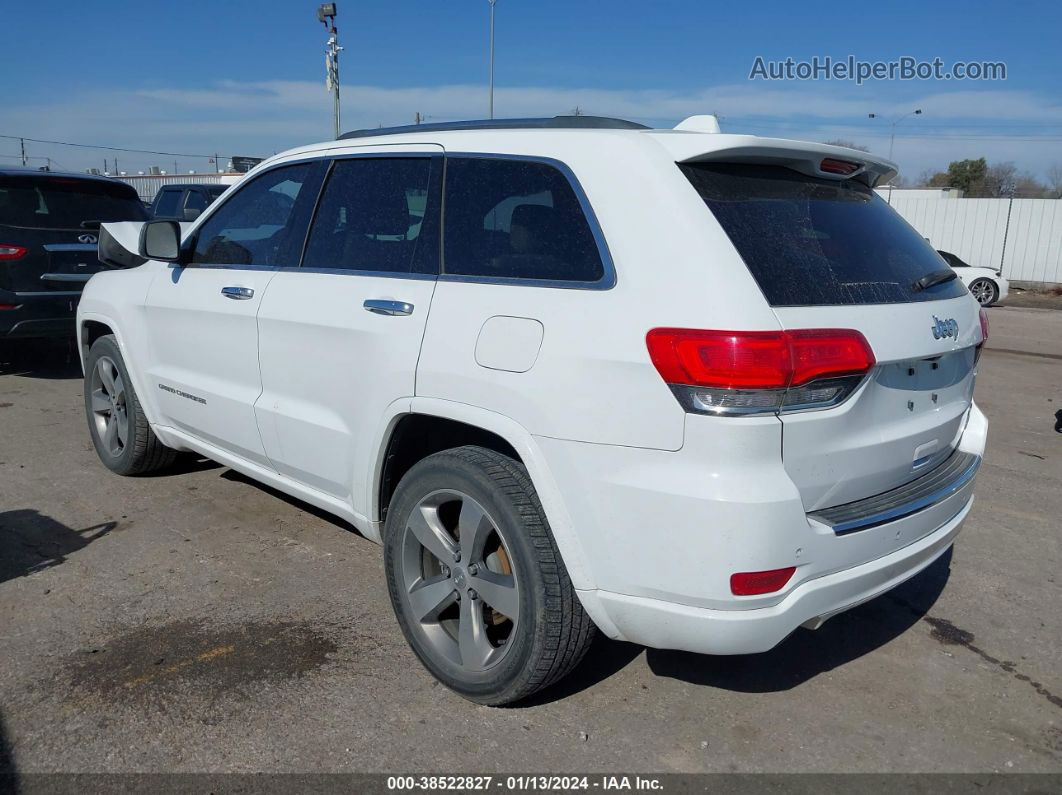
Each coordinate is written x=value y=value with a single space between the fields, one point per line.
x=561 y=122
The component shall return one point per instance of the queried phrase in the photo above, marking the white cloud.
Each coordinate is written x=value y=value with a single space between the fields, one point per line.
x=263 y=117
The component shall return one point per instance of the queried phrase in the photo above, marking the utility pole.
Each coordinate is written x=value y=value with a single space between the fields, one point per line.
x=892 y=125
x=22 y=143
x=326 y=13
x=491 y=104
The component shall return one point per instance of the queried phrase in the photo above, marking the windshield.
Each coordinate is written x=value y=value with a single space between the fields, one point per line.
x=64 y=202
x=810 y=241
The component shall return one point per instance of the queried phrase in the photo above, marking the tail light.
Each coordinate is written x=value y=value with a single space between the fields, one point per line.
x=755 y=583
x=10 y=252
x=756 y=372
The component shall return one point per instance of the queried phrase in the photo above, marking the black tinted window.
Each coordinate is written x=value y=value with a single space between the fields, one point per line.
x=64 y=202
x=195 y=201
x=166 y=202
x=811 y=241
x=516 y=219
x=252 y=226
x=374 y=215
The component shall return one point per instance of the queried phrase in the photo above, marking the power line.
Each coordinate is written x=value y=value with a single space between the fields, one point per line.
x=108 y=148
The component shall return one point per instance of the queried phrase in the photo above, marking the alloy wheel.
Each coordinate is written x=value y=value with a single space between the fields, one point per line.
x=110 y=413
x=983 y=291
x=457 y=582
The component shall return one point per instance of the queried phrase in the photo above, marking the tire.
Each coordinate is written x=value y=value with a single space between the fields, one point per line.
x=461 y=635
x=113 y=411
x=985 y=291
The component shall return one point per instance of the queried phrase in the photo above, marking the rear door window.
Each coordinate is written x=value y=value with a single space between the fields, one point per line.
x=194 y=204
x=167 y=201
x=376 y=214
x=516 y=219
x=257 y=224
x=810 y=241
x=65 y=202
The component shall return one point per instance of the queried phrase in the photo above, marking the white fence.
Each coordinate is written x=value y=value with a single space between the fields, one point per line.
x=1029 y=247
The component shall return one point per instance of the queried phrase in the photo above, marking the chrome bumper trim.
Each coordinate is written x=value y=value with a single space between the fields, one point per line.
x=924 y=492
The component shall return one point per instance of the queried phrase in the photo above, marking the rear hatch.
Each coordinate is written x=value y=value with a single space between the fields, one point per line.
x=828 y=253
x=49 y=228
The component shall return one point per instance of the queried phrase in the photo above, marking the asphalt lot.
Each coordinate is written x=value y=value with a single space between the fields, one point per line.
x=196 y=621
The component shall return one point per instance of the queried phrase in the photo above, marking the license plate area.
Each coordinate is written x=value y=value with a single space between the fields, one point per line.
x=921 y=385
x=69 y=266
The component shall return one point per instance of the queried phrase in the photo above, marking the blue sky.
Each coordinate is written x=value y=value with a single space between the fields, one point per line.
x=247 y=77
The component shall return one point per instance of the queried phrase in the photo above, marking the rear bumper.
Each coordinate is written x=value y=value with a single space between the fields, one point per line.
x=1004 y=288
x=666 y=625
x=663 y=532
x=38 y=315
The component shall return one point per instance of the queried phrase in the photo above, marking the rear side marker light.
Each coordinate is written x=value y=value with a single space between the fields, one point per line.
x=755 y=372
x=9 y=252
x=755 y=583
x=983 y=315
x=832 y=165
x=4 y=307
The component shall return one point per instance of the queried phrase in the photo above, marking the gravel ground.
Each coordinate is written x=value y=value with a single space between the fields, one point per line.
x=198 y=622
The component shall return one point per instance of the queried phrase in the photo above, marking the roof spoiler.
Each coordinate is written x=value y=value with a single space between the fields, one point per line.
x=816 y=160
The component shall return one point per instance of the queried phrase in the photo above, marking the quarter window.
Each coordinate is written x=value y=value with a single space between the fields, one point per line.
x=376 y=214
x=254 y=226
x=516 y=219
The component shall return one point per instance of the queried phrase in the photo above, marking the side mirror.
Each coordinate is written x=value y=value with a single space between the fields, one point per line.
x=161 y=240
x=191 y=213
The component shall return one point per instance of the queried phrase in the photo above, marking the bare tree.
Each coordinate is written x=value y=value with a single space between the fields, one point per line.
x=1001 y=179
x=1054 y=180
x=924 y=179
x=1026 y=186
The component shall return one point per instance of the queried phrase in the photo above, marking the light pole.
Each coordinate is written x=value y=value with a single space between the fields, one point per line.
x=326 y=13
x=491 y=104
x=892 y=125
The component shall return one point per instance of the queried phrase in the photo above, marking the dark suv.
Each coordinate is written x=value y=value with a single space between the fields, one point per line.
x=49 y=223
x=184 y=202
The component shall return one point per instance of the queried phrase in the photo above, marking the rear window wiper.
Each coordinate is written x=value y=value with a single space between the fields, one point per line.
x=935 y=278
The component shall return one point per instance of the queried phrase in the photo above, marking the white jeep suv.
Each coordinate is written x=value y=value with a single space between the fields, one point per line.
x=694 y=390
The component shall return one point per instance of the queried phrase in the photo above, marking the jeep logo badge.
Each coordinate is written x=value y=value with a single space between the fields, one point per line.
x=945 y=328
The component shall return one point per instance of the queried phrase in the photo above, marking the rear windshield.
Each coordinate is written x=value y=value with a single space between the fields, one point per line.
x=810 y=241
x=63 y=203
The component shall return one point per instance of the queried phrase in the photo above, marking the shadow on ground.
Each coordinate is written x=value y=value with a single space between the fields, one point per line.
x=44 y=358
x=8 y=778
x=802 y=656
x=31 y=542
x=331 y=518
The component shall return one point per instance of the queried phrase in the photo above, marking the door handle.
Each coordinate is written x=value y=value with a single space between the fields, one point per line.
x=392 y=308
x=237 y=293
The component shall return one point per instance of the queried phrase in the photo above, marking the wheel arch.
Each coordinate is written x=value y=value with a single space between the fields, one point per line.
x=488 y=429
x=93 y=325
